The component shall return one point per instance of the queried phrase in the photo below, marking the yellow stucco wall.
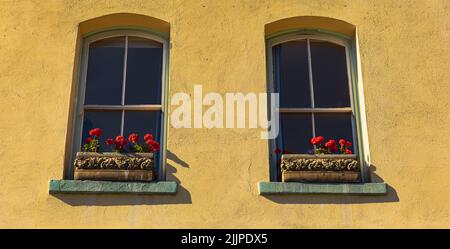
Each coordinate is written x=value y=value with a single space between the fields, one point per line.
x=405 y=57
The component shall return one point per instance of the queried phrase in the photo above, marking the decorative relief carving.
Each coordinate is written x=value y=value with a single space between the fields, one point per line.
x=87 y=160
x=319 y=164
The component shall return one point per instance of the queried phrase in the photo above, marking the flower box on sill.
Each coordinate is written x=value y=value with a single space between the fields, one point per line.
x=331 y=168
x=113 y=166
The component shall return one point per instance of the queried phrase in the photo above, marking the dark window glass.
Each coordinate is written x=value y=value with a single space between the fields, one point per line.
x=334 y=125
x=330 y=79
x=142 y=122
x=291 y=74
x=144 y=71
x=108 y=121
x=296 y=130
x=105 y=71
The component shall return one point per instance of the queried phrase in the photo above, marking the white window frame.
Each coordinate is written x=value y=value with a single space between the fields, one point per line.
x=357 y=114
x=80 y=98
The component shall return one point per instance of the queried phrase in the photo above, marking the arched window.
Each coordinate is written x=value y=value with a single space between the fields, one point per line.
x=121 y=86
x=312 y=72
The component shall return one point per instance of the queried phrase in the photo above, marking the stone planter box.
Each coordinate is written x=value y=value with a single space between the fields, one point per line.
x=112 y=166
x=320 y=168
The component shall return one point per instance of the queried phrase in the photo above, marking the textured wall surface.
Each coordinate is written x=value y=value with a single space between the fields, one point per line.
x=405 y=55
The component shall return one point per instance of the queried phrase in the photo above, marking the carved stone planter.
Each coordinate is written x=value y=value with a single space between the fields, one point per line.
x=320 y=168
x=111 y=166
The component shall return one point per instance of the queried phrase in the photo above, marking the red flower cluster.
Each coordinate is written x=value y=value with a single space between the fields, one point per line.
x=342 y=142
x=317 y=140
x=148 y=137
x=97 y=132
x=120 y=143
x=133 y=137
x=92 y=144
x=330 y=147
x=152 y=146
x=345 y=145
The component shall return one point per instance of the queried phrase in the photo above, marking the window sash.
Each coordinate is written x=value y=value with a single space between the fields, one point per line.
x=121 y=107
x=127 y=34
x=307 y=38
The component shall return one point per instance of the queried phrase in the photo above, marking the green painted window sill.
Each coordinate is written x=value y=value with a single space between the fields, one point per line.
x=106 y=187
x=285 y=188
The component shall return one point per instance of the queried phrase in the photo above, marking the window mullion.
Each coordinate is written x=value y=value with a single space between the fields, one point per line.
x=125 y=61
x=122 y=122
x=311 y=87
x=124 y=82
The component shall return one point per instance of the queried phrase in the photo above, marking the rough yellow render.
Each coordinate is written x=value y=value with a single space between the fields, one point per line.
x=405 y=55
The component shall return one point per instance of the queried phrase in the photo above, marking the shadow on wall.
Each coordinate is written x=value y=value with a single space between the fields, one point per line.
x=391 y=196
x=181 y=197
x=176 y=159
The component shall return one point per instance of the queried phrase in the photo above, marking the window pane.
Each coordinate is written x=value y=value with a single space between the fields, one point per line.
x=334 y=126
x=330 y=79
x=291 y=74
x=108 y=121
x=144 y=70
x=296 y=131
x=105 y=71
x=142 y=122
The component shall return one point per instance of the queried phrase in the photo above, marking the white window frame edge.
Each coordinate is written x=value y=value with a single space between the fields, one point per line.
x=79 y=106
x=359 y=124
x=361 y=111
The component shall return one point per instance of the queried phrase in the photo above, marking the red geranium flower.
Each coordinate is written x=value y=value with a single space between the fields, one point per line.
x=347 y=151
x=348 y=143
x=88 y=140
x=342 y=142
x=331 y=144
x=120 y=141
x=277 y=151
x=109 y=141
x=317 y=140
x=96 y=132
x=153 y=145
x=148 y=137
x=133 y=137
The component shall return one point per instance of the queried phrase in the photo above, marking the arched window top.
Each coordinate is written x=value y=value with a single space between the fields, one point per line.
x=146 y=37
x=315 y=23
x=312 y=36
x=123 y=21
